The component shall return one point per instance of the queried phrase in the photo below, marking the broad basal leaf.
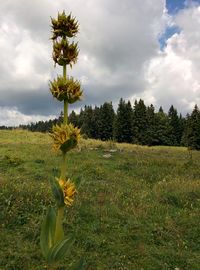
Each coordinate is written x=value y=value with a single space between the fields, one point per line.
x=48 y=231
x=58 y=251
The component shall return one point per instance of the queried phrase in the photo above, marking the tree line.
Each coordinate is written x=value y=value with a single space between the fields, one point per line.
x=138 y=124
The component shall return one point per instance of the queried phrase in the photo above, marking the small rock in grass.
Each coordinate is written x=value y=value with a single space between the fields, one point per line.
x=107 y=155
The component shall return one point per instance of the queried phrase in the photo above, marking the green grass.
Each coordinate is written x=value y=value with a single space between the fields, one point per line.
x=137 y=209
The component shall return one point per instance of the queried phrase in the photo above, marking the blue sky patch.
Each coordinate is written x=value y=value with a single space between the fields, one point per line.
x=170 y=31
x=173 y=6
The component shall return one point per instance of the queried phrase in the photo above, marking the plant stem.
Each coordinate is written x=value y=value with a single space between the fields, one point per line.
x=65 y=120
x=65 y=72
x=65 y=102
x=59 y=234
x=63 y=166
x=59 y=229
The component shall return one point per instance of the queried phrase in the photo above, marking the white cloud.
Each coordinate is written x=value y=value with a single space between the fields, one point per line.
x=12 y=117
x=24 y=61
x=119 y=54
x=173 y=76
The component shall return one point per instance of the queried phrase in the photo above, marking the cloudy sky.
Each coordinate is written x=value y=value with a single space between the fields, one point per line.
x=132 y=49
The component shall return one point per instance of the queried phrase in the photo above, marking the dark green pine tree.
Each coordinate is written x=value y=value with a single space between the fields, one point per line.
x=60 y=118
x=123 y=124
x=185 y=125
x=88 y=125
x=96 y=123
x=175 y=126
x=73 y=118
x=140 y=122
x=80 y=118
x=151 y=126
x=182 y=121
x=192 y=130
x=162 y=129
x=106 y=120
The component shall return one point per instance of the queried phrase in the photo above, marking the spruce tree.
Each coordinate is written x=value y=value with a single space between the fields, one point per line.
x=161 y=110
x=96 y=134
x=73 y=118
x=88 y=125
x=106 y=119
x=123 y=126
x=184 y=127
x=151 y=126
x=80 y=118
x=175 y=126
x=140 y=122
x=192 y=136
x=162 y=129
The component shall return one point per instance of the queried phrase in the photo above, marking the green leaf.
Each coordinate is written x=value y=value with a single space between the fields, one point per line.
x=68 y=145
x=58 y=251
x=79 y=265
x=79 y=181
x=57 y=192
x=48 y=231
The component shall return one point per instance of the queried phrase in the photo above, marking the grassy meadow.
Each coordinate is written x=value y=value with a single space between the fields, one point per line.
x=137 y=208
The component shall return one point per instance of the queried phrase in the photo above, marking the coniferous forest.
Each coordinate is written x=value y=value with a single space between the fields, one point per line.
x=137 y=124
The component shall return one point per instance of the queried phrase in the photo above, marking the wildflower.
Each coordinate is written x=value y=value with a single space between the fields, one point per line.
x=65 y=137
x=68 y=90
x=69 y=191
x=65 y=53
x=64 y=26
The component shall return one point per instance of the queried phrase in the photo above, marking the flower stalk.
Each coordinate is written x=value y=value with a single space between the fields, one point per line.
x=63 y=166
x=59 y=234
x=65 y=137
x=65 y=120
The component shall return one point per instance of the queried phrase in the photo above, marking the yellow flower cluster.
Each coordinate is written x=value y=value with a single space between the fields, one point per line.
x=64 y=26
x=65 y=137
x=68 y=90
x=65 y=53
x=69 y=191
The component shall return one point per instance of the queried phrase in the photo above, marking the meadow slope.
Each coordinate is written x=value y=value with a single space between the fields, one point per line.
x=137 y=208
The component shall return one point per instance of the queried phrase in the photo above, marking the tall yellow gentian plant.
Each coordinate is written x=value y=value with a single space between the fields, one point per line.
x=65 y=137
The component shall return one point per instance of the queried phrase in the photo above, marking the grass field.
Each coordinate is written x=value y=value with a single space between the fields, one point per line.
x=138 y=208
